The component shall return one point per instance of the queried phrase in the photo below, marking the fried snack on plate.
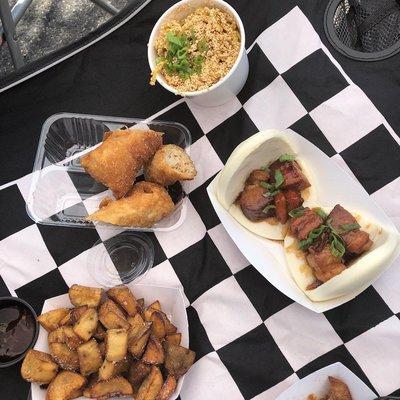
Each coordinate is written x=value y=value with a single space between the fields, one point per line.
x=124 y=297
x=65 y=334
x=73 y=315
x=178 y=359
x=65 y=386
x=110 y=369
x=89 y=357
x=111 y=316
x=338 y=390
x=116 y=344
x=174 y=338
x=167 y=389
x=170 y=164
x=114 y=387
x=154 y=353
x=146 y=204
x=86 y=326
x=51 y=319
x=38 y=367
x=85 y=296
x=137 y=373
x=137 y=342
x=117 y=161
x=64 y=357
x=151 y=386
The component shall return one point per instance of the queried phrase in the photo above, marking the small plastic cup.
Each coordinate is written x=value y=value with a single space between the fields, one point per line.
x=123 y=258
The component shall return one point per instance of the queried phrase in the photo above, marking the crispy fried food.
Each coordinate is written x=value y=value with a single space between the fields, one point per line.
x=64 y=357
x=117 y=386
x=73 y=315
x=86 y=326
x=167 y=389
x=117 y=161
x=338 y=390
x=65 y=334
x=112 y=317
x=178 y=359
x=170 y=164
x=89 y=357
x=151 y=386
x=154 y=353
x=116 y=344
x=158 y=325
x=124 y=297
x=85 y=296
x=100 y=333
x=146 y=204
x=110 y=369
x=174 y=338
x=51 y=319
x=65 y=386
x=38 y=367
x=137 y=342
x=137 y=372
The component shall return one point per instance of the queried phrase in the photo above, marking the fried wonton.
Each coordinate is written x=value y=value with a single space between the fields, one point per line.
x=117 y=161
x=146 y=204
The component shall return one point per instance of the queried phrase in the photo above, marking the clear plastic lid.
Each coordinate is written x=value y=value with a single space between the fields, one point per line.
x=63 y=194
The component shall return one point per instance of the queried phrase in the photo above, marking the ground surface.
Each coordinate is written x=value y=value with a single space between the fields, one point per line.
x=50 y=24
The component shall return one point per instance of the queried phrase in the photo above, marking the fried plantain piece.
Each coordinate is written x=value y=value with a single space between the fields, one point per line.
x=137 y=343
x=111 y=316
x=100 y=333
x=117 y=161
x=168 y=388
x=102 y=390
x=85 y=296
x=73 y=315
x=50 y=320
x=65 y=386
x=110 y=369
x=178 y=359
x=137 y=372
x=116 y=344
x=151 y=386
x=38 y=367
x=154 y=353
x=338 y=390
x=124 y=297
x=146 y=204
x=89 y=356
x=64 y=356
x=65 y=334
x=158 y=326
x=86 y=326
x=174 y=338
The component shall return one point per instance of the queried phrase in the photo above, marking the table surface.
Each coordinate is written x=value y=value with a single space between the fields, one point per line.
x=251 y=341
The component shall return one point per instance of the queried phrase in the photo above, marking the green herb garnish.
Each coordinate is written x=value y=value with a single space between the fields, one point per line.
x=337 y=245
x=349 y=227
x=286 y=157
x=321 y=213
x=278 y=178
x=177 y=60
x=312 y=236
x=264 y=168
x=269 y=207
x=297 y=212
x=271 y=193
x=266 y=185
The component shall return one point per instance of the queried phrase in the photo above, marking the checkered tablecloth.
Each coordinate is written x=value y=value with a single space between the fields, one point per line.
x=251 y=341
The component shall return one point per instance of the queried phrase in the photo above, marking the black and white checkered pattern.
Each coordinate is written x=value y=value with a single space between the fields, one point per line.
x=251 y=341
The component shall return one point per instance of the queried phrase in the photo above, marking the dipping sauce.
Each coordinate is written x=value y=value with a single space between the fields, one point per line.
x=17 y=330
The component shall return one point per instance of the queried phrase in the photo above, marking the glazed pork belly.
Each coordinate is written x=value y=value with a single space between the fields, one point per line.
x=294 y=177
x=356 y=241
x=252 y=202
x=301 y=226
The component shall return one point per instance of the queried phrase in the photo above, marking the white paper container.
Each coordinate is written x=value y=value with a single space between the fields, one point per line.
x=231 y=84
x=317 y=383
x=333 y=186
x=172 y=303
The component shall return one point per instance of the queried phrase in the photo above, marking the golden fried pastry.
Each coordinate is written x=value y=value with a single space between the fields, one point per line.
x=144 y=205
x=117 y=161
x=170 y=164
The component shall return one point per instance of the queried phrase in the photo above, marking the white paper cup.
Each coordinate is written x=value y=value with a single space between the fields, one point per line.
x=231 y=84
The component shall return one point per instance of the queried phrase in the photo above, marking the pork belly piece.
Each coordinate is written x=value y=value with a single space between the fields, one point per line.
x=356 y=241
x=252 y=202
x=281 y=211
x=293 y=199
x=301 y=226
x=324 y=264
x=293 y=176
x=257 y=176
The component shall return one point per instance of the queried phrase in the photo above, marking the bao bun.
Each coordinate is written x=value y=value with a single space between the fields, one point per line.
x=359 y=273
x=260 y=149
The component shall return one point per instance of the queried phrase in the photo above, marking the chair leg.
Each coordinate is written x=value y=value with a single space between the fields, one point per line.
x=9 y=32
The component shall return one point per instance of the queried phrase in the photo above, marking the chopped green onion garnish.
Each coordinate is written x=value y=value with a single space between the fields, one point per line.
x=278 y=178
x=321 y=213
x=349 y=227
x=264 y=168
x=297 y=212
x=271 y=193
x=266 y=185
x=337 y=246
x=286 y=157
x=312 y=236
x=269 y=207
